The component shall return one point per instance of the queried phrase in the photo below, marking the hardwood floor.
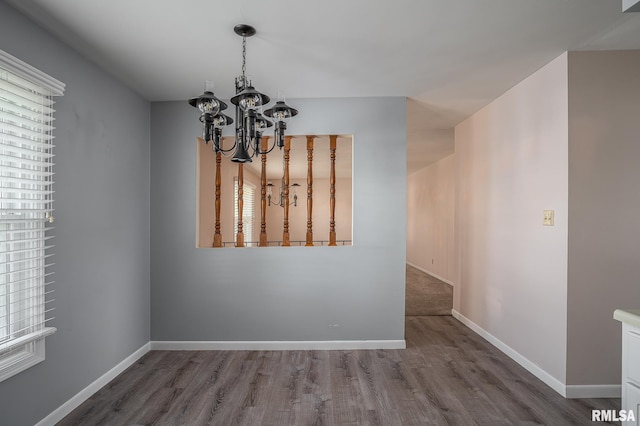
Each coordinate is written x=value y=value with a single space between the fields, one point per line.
x=448 y=375
x=426 y=294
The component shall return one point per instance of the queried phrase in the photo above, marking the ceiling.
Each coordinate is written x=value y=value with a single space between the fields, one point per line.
x=450 y=58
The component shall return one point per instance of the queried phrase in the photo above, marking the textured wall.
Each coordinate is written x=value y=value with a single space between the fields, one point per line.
x=102 y=226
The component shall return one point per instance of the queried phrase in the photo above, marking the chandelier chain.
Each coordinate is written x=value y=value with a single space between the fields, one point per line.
x=244 y=57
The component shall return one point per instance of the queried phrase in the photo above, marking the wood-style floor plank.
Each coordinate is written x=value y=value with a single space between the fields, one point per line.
x=448 y=375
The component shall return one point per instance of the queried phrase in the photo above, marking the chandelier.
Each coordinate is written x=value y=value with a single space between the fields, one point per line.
x=250 y=122
x=281 y=200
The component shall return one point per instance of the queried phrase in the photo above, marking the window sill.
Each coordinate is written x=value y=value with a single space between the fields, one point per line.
x=22 y=353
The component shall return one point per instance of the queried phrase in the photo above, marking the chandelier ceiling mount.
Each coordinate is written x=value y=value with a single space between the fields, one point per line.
x=244 y=30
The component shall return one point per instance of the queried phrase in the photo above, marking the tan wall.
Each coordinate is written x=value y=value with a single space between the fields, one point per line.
x=205 y=211
x=512 y=163
x=297 y=215
x=604 y=209
x=321 y=212
x=430 y=219
x=566 y=139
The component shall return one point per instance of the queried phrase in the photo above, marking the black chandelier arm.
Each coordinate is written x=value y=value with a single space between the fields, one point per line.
x=218 y=147
x=269 y=149
x=226 y=151
x=280 y=202
x=252 y=150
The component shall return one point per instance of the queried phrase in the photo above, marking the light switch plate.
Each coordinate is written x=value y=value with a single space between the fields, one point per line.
x=547 y=217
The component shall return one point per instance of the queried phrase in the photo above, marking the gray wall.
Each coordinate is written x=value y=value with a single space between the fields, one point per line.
x=604 y=209
x=102 y=226
x=283 y=293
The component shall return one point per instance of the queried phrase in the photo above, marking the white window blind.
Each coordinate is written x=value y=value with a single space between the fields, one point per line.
x=248 y=204
x=26 y=211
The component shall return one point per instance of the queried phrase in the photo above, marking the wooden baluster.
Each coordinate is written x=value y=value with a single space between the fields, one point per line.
x=264 y=145
x=309 y=191
x=240 y=235
x=332 y=191
x=285 y=232
x=217 y=236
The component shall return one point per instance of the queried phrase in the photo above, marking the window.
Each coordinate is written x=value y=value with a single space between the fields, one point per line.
x=248 y=202
x=26 y=196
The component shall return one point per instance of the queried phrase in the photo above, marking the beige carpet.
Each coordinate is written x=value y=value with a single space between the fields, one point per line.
x=427 y=295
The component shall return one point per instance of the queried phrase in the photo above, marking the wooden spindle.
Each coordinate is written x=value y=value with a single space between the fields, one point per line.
x=264 y=145
x=240 y=235
x=309 y=191
x=285 y=231
x=217 y=236
x=332 y=191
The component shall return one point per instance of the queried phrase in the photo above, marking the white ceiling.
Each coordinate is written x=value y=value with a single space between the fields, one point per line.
x=449 y=57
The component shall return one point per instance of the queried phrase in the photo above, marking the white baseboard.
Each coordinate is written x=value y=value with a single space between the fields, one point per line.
x=277 y=345
x=567 y=391
x=431 y=273
x=85 y=393
x=547 y=378
x=593 y=391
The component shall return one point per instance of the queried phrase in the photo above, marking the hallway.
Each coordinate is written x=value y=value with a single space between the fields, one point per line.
x=426 y=294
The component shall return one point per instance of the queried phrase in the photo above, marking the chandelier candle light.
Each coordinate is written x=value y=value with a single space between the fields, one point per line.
x=250 y=123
